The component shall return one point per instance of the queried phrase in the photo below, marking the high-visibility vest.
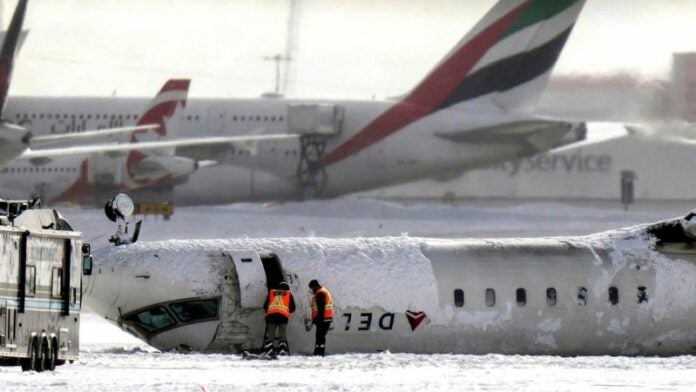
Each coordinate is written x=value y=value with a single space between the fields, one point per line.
x=279 y=302
x=328 y=309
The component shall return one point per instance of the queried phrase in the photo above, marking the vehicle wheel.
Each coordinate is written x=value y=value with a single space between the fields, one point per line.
x=40 y=358
x=52 y=357
x=30 y=363
x=25 y=363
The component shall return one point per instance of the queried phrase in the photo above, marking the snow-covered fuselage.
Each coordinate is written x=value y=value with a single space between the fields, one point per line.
x=626 y=292
x=270 y=169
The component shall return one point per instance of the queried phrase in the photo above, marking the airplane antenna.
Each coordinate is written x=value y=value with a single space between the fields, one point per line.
x=291 y=41
x=278 y=59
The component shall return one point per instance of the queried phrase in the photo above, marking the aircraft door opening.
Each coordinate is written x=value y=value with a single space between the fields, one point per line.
x=252 y=278
x=273 y=269
x=216 y=119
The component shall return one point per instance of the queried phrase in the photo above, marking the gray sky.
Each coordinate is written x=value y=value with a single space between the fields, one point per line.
x=352 y=49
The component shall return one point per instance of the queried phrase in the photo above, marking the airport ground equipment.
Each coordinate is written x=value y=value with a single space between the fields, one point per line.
x=41 y=265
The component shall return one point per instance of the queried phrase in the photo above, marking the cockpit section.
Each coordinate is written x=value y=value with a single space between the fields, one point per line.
x=164 y=316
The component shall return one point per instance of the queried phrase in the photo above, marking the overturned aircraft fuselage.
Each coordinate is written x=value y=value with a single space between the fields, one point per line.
x=624 y=292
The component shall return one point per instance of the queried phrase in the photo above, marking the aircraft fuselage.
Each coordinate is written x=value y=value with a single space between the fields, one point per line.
x=616 y=293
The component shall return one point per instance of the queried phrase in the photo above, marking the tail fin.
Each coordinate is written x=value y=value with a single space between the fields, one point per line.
x=506 y=58
x=9 y=49
x=159 y=111
x=162 y=107
x=504 y=61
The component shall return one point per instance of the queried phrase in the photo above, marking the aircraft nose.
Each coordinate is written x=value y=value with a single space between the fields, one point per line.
x=101 y=289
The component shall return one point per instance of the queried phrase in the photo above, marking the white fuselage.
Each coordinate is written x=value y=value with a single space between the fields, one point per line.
x=269 y=169
x=616 y=293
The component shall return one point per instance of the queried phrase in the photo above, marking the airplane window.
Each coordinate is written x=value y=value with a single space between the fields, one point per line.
x=49 y=116
x=234 y=118
x=459 y=298
x=17 y=115
x=41 y=115
x=551 y=296
x=196 y=117
x=642 y=295
x=613 y=295
x=195 y=310
x=521 y=295
x=153 y=319
x=272 y=118
x=242 y=118
x=82 y=116
x=582 y=296
x=280 y=118
x=33 y=116
x=265 y=118
x=490 y=297
x=258 y=118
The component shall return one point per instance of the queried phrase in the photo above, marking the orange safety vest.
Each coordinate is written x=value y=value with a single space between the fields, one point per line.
x=328 y=308
x=279 y=302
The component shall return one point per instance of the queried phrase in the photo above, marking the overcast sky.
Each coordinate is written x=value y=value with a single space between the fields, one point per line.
x=352 y=49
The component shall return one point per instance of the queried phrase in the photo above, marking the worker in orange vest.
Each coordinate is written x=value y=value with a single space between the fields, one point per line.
x=322 y=315
x=278 y=306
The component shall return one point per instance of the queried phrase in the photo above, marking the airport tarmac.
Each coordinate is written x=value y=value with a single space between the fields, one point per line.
x=112 y=360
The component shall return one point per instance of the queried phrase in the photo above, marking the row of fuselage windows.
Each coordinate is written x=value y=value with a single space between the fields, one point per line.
x=190 y=117
x=42 y=169
x=582 y=298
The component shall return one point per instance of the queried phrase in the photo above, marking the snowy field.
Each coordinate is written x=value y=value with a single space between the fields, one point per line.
x=114 y=361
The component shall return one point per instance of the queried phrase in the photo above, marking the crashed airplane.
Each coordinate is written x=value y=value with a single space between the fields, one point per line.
x=624 y=292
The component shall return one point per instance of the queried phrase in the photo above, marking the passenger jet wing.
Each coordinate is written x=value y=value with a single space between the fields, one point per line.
x=36 y=141
x=126 y=147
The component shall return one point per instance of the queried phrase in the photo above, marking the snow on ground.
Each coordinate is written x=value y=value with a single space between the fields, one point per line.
x=114 y=361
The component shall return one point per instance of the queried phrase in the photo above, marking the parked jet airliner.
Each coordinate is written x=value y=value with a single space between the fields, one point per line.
x=15 y=140
x=623 y=292
x=471 y=110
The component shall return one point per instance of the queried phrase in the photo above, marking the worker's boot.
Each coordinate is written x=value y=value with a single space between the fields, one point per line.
x=267 y=348
x=283 y=348
x=319 y=349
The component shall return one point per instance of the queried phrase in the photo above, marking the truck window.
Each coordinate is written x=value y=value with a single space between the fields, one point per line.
x=195 y=310
x=30 y=286
x=56 y=280
x=153 y=319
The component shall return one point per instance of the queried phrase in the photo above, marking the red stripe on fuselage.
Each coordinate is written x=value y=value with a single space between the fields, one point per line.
x=430 y=93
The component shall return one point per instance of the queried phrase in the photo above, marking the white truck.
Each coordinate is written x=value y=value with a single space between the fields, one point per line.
x=41 y=262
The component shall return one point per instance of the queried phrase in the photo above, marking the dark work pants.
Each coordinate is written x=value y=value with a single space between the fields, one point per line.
x=320 y=337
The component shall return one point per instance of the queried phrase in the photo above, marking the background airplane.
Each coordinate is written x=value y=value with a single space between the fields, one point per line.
x=471 y=110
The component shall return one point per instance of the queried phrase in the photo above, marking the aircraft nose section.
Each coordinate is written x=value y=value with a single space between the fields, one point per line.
x=102 y=288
